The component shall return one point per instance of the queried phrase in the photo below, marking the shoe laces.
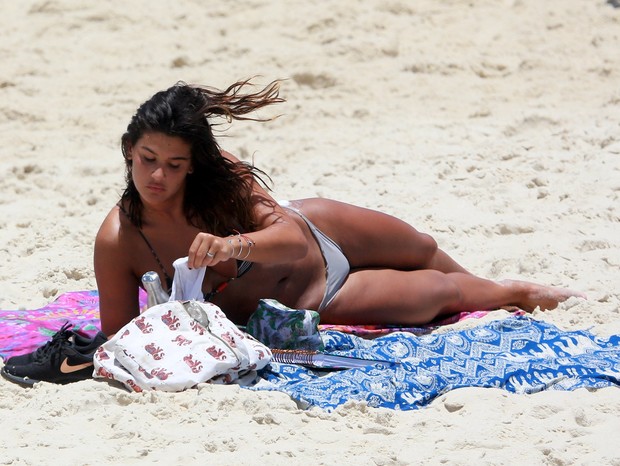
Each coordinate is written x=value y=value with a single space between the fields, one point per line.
x=60 y=339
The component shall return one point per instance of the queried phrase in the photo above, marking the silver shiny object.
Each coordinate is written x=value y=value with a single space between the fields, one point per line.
x=154 y=291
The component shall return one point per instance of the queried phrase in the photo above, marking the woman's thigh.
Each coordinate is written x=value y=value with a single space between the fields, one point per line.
x=385 y=296
x=370 y=238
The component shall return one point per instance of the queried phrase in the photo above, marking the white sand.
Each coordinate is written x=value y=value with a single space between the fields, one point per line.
x=493 y=125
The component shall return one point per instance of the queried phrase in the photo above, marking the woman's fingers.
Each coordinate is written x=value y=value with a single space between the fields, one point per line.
x=207 y=250
x=200 y=250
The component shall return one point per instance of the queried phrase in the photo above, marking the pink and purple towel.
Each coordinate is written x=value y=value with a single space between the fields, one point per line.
x=23 y=331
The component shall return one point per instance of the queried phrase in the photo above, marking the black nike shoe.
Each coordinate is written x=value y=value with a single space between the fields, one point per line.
x=82 y=344
x=66 y=358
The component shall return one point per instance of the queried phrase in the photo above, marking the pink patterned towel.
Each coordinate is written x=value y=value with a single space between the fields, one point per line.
x=23 y=331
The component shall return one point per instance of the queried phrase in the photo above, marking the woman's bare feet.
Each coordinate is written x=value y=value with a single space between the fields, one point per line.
x=532 y=295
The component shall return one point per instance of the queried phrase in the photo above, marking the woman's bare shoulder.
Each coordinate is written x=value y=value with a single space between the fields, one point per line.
x=116 y=230
x=110 y=226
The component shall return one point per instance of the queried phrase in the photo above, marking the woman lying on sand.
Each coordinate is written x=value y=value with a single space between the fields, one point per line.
x=185 y=196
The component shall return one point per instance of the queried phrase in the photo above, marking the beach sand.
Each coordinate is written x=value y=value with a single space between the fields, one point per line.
x=492 y=125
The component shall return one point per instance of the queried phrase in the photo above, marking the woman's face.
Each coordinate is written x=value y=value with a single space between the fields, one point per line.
x=159 y=166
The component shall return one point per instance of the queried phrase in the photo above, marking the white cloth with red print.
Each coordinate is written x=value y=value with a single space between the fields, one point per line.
x=177 y=345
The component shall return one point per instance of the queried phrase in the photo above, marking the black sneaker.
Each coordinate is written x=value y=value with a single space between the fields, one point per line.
x=83 y=345
x=68 y=357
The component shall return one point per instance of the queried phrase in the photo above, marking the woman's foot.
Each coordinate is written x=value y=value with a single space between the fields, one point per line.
x=532 y=295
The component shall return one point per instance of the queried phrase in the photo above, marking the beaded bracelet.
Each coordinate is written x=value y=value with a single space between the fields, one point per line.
x=249 y=244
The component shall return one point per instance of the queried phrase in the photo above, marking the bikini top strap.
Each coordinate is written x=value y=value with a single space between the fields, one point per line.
x=148 y=243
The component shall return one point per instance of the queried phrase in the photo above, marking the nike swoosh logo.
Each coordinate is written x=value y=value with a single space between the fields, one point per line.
x=66 y=368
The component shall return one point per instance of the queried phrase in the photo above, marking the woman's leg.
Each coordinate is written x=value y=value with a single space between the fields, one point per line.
x=373 y=239
x=384 y=296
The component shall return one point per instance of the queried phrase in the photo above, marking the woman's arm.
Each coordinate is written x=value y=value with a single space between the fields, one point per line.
x=117 y=284
x=277 y=238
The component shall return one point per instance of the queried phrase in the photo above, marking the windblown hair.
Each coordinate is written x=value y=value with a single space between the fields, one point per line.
x=218 y=191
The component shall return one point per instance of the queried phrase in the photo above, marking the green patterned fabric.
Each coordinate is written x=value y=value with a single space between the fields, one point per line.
x=281 y=327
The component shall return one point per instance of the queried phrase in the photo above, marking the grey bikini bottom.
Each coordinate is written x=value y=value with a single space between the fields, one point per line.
x=336 y=264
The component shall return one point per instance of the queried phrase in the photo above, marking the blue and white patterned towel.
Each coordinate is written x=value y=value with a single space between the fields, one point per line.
x=518 y=354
